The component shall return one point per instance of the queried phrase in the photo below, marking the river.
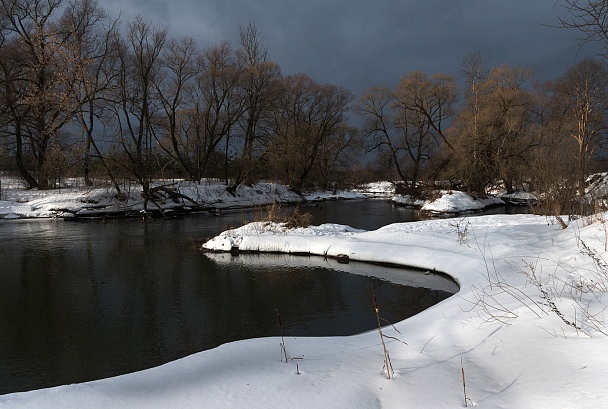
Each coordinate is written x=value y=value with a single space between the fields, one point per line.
x=87 y=300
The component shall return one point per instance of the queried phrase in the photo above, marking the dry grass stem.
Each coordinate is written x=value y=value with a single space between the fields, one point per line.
x=387 y=359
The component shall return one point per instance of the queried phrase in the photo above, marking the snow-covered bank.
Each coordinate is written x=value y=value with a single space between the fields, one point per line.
x=445 y=202
x=516 y=353
x=383 y=189
x=169 y=197
x=180 y=196
x=74 y=200
x=173 y=196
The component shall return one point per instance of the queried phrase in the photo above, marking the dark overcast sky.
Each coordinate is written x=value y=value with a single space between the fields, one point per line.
x=360 y=43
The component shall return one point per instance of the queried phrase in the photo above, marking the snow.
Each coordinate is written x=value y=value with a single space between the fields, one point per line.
x=91 y=202
x=516 y=352
x=597 y=186
x=448 y=202
x=77 y=200
x=455 y=202
x=81 y=201
x=518 y=197
x=528 y=361
x=522 y=356
x=333 y=195
x=408 y=200
x=377 y=189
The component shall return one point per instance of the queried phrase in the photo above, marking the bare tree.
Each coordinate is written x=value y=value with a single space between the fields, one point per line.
x=590 y=17
x=14 y=111
x=409 y=121
x=136 y=101
x=473 y=71
x=48 y=73
x=93 y=44
x=582 y=94
x=174 y=90
x=376 y=107
x=217 y=104
x=307 y=114
x=423 y=105
x=491 y=133
x=553 y=169
x=260 y=80
x=338 y=155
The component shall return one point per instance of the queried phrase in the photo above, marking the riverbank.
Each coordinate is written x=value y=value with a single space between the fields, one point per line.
x=178 y=197
x=169 y=198
x=173 y=197
x=500 y=328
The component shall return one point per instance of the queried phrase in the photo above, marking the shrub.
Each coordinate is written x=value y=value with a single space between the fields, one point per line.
x=276 y=213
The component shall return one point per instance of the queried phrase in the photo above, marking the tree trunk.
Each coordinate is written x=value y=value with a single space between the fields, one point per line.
x=32 y=183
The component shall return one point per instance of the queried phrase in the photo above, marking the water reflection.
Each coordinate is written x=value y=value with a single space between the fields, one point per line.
x=83 y=301
x=334 y=298
x=368 y=214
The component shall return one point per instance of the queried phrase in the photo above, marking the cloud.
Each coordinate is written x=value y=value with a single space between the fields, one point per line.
x=357 y=43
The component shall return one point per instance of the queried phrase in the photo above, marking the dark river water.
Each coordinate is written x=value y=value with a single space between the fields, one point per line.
x=84 y=301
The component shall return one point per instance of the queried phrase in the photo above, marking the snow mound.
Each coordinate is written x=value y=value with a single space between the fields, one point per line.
x=230 y=239
x=457 y=202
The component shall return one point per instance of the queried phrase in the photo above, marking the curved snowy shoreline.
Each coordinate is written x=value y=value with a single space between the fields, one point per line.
x=332 y=240
x=529 y=361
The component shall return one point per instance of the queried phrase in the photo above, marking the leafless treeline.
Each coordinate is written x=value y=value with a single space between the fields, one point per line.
x=81 y=89
x=508 y=128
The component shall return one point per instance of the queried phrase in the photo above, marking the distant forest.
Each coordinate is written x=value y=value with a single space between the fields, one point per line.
x=85 y=94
